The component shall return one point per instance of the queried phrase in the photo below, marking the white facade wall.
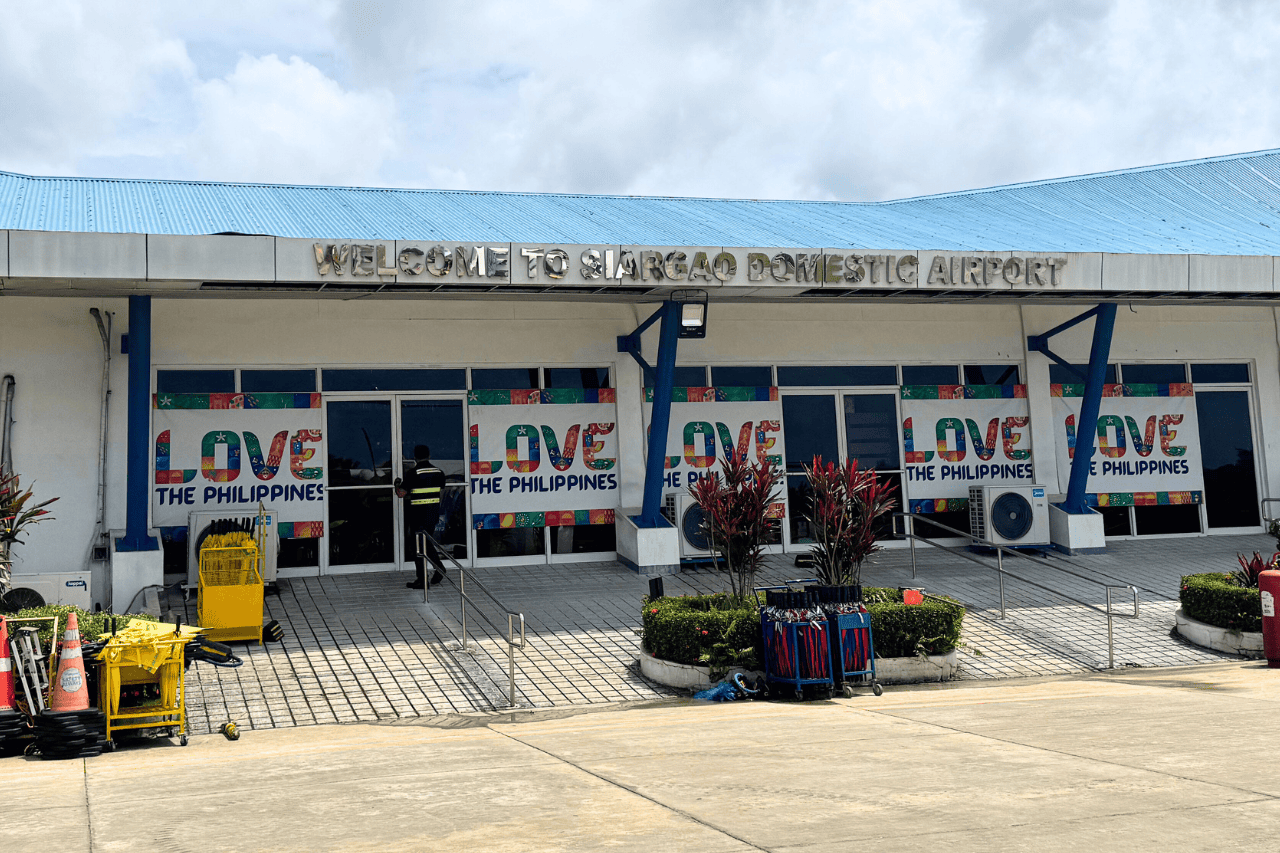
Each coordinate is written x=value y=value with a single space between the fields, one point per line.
x=51 y=346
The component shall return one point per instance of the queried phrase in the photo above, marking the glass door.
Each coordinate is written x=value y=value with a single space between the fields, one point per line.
x=1226 y=450
x=811 y=430
x=360 y=502
x=440 y=426
x=871 y=436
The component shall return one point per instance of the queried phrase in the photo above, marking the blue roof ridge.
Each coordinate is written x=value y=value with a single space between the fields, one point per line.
x=1086 y=177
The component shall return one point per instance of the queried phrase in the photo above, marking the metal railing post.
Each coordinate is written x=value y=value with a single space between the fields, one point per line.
x=462 y=605
x=1000 y=572
x=1111 y=642
x=911 y=537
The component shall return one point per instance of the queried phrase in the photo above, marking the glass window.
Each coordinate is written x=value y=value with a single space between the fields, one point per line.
x=358 y=439
x=584 y=539
x=685 y=377
x=510 y=542
x=576 y=377
x=504 y=378
x=1226 y=450
x=1115 y=521
x=990 y=374
x=400 y=379
x=195 y=381
x=360 y=528
x=1152 y=374
x=871 y=430
x=1156 y=520
x=842 y=376
x=298 y=553
x=930 y=374
x=809 y=421
x=741 y=377
x=1059 y=375
x=277 y=381
x=1219 y=373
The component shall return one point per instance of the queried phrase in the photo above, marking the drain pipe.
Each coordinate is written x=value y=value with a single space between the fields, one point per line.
x=104 y=331
x=6 y=425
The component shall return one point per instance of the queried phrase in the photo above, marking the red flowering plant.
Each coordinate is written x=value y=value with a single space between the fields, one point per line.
x=844 y=505
x=738 y=516
x=1247 y=577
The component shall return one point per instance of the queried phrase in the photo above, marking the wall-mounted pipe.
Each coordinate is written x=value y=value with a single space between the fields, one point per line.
x=7 y=388
x=104 y=332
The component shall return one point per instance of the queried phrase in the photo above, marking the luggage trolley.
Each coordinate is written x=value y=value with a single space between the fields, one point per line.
x=853 y=654
x=796 y=652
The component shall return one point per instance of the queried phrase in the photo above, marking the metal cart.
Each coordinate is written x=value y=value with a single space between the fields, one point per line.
x=140 y=679
x=852 y=652
x=796 y=654
x=231 y=593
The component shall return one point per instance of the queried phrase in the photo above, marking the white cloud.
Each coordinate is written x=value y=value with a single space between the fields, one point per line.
x=272 y=121
x=858 y=100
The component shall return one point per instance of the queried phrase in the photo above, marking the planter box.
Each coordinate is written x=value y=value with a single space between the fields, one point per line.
x=888 y=671
x=1247 y=644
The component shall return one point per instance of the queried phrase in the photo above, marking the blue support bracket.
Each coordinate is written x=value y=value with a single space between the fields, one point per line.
x=660 y=423
x=1087 y=428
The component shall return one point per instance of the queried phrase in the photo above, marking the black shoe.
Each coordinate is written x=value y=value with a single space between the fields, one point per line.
x=437 y=577
x=414 y=585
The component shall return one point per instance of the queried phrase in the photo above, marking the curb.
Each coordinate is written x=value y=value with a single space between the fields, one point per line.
x=911 y=670
x=1246 y=644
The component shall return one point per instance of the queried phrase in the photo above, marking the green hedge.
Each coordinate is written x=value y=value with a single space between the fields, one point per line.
x=91 y=625
x=692 y=629
x=902 y=631
x=685 y=628
x=1212 y=598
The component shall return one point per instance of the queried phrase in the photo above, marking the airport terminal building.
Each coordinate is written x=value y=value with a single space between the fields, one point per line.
x=198 y=349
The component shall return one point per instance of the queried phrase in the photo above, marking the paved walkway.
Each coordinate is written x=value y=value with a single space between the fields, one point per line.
x=364 y=648
x=1147 y=759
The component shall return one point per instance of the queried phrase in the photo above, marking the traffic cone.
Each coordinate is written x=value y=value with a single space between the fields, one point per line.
x=7 y=697
x=70 y=690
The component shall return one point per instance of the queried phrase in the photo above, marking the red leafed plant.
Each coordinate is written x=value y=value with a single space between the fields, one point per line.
x=844 y=504
x=739 y=519
x=15 y=514
x=1250 y=569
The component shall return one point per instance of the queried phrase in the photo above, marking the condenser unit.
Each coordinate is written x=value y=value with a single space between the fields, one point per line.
x=57 y=588
x=198 y=528
x=694 y=542
x=1016 y=516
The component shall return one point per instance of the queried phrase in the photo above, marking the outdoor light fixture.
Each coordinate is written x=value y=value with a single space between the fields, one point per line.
x=693 y=312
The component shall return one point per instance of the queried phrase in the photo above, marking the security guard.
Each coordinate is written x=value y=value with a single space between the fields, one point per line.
x=422 y=488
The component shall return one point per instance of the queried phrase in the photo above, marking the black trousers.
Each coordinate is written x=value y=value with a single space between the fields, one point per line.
x=424 y=521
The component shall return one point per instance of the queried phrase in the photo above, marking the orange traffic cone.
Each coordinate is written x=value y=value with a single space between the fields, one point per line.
x=70 y=690
x=6 y=669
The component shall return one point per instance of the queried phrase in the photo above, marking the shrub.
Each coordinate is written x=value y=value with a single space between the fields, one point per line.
x=1214 y=599
x=713 y=629
x=684 y=629
x=91 y=625
x=899 y=630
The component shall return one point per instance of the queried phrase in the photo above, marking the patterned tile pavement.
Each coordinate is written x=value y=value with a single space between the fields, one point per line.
x=362 y=647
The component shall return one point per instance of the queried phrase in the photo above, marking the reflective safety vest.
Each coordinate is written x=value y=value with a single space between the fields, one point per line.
x=429 y=482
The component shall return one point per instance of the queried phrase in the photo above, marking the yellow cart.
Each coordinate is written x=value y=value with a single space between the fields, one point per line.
x=231 y=589
x=140 y=679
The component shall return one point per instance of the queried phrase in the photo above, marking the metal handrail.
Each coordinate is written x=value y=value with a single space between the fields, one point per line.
x=1001 y=550
x=464 y=600
x=1262 y=507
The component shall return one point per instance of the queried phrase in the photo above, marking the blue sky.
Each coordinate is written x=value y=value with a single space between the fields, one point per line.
x=749 y=99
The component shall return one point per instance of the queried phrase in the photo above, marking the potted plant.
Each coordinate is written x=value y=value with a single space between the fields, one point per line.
x=844 y=505
x=740 y=516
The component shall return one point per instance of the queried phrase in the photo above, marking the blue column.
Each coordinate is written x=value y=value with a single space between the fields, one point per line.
x=137 y=483
x=1087 y=427
x=660 y=424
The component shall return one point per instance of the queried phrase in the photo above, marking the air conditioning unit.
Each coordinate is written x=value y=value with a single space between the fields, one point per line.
x=694 y=542
x=198 y=524
x=62 y=588
x=1016 y=516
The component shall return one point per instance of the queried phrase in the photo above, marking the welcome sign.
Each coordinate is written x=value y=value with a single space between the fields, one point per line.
x=543 y=457
x=957 y=436
x=1147 y=450
x=232 y=451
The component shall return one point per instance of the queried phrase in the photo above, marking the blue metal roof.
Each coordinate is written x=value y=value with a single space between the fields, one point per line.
x=1219 y=205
